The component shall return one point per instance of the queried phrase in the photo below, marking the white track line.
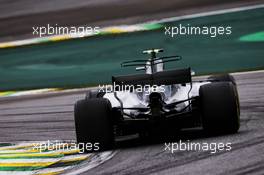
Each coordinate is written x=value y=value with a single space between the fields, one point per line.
x=248 y=72
x=232 y=73
x=71 y=158
x=94 y=162
x=89 y=160
x=210 y=13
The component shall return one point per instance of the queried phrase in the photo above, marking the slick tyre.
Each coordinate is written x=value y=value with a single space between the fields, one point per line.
x=226 y=78
x=219 y=108
x=93 y=123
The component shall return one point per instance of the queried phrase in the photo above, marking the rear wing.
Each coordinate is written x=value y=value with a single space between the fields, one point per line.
x=180 y=76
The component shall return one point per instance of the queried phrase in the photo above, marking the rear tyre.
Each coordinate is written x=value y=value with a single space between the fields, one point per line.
x=220 y=108
x=93 y=123
x=226 y=78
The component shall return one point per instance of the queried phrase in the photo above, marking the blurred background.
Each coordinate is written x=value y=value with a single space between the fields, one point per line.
x=88 y=61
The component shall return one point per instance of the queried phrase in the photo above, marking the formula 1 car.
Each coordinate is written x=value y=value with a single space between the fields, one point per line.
x=141 y=103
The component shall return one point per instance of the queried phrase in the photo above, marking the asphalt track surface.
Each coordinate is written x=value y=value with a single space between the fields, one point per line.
x=35 y=118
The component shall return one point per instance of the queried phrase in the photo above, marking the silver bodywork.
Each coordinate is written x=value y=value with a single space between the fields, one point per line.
x=170 y=93
x=173 y=93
